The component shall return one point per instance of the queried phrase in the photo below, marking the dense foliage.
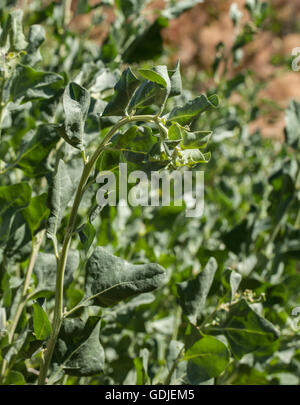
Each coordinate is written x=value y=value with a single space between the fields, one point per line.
x=140 y=295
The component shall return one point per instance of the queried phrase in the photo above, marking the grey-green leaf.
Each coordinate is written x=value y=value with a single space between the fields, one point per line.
x=13 y=198
x=111 y=279
x=124 y=90
x=60 y=194
x=41 y=323
x=12 y=37
x=14 y=378
x=151 y=92
x=153 y=76
x=30 y=84
x=36 y=37
x=175 y=132
x=231 y=281
x=190 y=157
x=193 y=293
x=45 y=270
x=178 y=7
x=176 y=82
x=35 y=148
x=87 y=234
x=207 y=358
x=186 y=114
x=138 y=139
x=246 y=330
x=198 y=139
x=36 y=212
x=292 y=124
x=79 y=349
x=76 y=102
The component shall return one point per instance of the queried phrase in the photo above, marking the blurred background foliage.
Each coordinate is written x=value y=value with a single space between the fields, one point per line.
x=251 y=223
x=193 y=38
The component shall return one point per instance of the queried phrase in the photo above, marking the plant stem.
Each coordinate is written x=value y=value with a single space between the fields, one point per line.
x=177 y=322
x=35 y=250
x=61 y=263
x=36 y=244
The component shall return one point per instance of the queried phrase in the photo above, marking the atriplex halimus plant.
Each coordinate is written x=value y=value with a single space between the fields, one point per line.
x=139 y=132
x=156 y=141
x=204 y=319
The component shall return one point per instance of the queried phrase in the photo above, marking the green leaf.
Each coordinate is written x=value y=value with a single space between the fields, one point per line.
x=190 y=157
x=29 y=84
x=45 y=270
x=87 y=235
x=138 y=139
x=41 y=324
x=124 y=311
x=36 y=37
x=153 y=76
x=292 y=125
x=246 y=330
x=36 y=212
x=12 y=37
x=193 y=293
x=198 y=139
x=207 y=358
x=147 y=94
x=283 y=192
x=15 y=378
x=60 y=194
x=231 y=281
x=135 y=157
x=175 y=132
x=176 y=83
x=76 y=102
x=138 y=363
x=151 y=92
x=19 y=243
x=78 y=349
x=35 y=148
x=186 y=114
x=13 y=198
x=124 y=90
x=179 y=7
x=105 y=79
x=111 y=279
x=109 y=160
